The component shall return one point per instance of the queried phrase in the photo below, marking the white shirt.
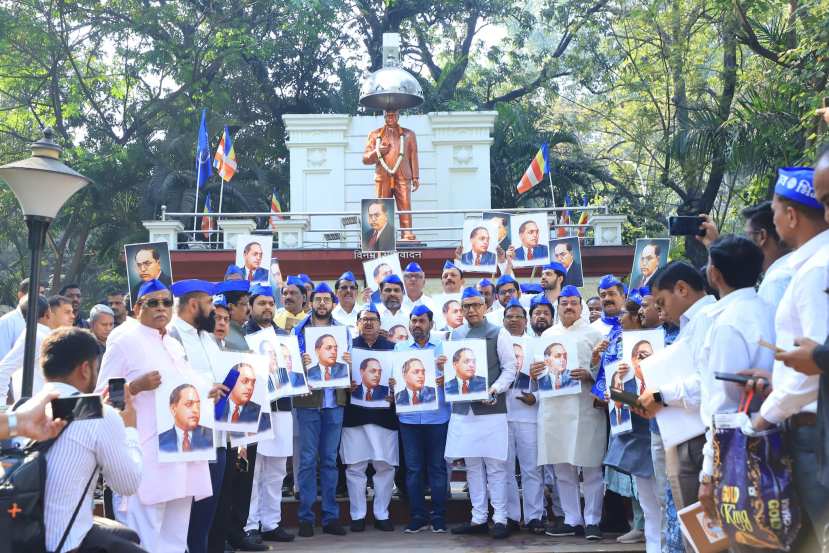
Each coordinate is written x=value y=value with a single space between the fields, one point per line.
x=803 y=311
x=738 y=322
x=81 y=448
x=775 y=281
x=389 y=319
x=693 y=328
x=11 y=366
x=346 y=319
x=199 y=347
x=12 y=325
x=409 y=304
x=116 y=333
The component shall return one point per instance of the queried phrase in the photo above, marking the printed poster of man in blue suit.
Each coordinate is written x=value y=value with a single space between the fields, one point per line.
x=239 y=408
x=479 y=245
x=369 y=388
x=415 y=392
x=465 y=381
x=186 y=434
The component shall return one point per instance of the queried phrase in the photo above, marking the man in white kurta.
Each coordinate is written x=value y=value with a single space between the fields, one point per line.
x=572 y=434
x=145 y=355
x=478 y=431
x=391 y=308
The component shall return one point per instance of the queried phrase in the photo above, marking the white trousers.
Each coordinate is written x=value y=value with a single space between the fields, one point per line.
x=162 y=527
x=567 y=480
x=646 y=489
x=550 y=481
x=383 y=485
x=523 y=442
x=486 y=475
x=266 y=493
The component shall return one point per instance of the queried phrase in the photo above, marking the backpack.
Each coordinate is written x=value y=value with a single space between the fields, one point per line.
x=22 y=492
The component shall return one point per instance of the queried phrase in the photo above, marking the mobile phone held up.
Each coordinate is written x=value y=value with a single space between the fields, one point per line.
x=685 y=225
x=78 y=408
x=116 y=393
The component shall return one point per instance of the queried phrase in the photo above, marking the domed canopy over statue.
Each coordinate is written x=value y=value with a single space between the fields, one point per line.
x=391 y=148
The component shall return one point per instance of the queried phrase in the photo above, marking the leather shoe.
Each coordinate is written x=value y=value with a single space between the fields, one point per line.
x=335 y=529
x=358 y=525
x=306 y=529
x=471 y=529
x=277 y=534
x=384 y=525
x=251 y=541
x=499 y=531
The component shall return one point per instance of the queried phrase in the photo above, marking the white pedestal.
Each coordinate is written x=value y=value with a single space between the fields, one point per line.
x=290 y=233
x=328 y=175
x=233 y=228
x=164 y=231
x=607 y=229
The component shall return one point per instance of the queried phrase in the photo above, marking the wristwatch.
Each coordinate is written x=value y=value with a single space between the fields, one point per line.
x=657 y=397
x=11 y=422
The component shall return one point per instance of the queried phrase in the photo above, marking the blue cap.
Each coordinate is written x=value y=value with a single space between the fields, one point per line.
x=295 y=281
x=420 y=310
x=413 y=268
x=449 y=265
x=219 y=300
x=323 y=288
x=370 y=307
x=609 y=281
x=635 y=297
x=555 y=266
x=506 y=279
x=470 y=292
x=305 y=278
x=234 y=270
x=797 y=184
x=348 y=275
x=514 y=303
x=192 y=285
x=645 y=291
x=392 y=279
x=569 y=291
x=149 y=287
x=530 y=288
x=261 y=290
x=485 y=282
x=232 y=286
x=540 y=299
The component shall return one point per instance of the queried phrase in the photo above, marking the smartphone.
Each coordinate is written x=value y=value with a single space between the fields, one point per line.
x=78 y=408
x=242 y=464
x=685 y=225
x=116 y=393
x=627 y=398
x=730 y=377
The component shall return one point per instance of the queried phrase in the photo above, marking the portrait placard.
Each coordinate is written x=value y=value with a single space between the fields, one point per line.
x=326 y=346
x=619 y=412
x=184 y=418
x=246 y=374
x=253 y=254
x=502 y=227
x=378 y=269
x=285 y=375
x=263 y=432
x=638 y=345
x=415 y=384
x=371 y=373
x=567 y=251
x=530 y=236
x=147 y=261
x=479 y=246
x=377 y=225
x=466 y=375
x=650 y=255
x=523 y=359
x=560 y=356
x=448 y=314
x=399 y=333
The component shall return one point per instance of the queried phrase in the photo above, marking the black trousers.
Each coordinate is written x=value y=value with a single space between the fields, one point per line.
x=109 y=536
x=202 y=512
x=221 y=520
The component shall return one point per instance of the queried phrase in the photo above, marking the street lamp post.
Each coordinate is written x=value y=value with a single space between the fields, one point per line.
x=42 y=183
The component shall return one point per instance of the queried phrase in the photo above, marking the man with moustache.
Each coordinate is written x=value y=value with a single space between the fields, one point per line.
x=145 y=355
x=115 y=299
x=487 y=290
x=380 y=273
x=345 y=312
x=293 y=300
x=320 y=415
x=506 y=289
x=576 y=442
x=391 y=309
x=222 y=319
x=541 y=315
x=415 y=280
x=237 y=297
x=451 y=279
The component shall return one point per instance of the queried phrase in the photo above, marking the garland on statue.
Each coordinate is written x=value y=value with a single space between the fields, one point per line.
x=382 y=161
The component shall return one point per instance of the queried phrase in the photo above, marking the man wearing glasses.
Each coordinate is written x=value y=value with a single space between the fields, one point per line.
x=478 y=430
x=345 y=312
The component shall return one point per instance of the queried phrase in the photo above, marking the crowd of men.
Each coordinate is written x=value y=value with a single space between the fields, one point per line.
x=768 y=285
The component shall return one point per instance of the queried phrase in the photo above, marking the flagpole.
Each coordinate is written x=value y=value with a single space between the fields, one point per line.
x=221 y=194
x=196 y=207
x=553 y=196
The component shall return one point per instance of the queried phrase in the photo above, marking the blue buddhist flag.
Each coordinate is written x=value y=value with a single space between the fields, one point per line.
x=203 y=168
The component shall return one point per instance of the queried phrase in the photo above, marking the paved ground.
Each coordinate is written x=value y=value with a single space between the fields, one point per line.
x=397 y=542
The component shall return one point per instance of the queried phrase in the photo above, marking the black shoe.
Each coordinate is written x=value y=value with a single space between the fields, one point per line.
x=229 y=548
x=384 y=525
x=513 y=525
x=358 y=525
x=558 y=530
x=335 y=529
x=471 y=529
x=277 y=534
x=535 y=526
x=306 y=529
x=592 y=532
x=499 y=531
x=251 y=541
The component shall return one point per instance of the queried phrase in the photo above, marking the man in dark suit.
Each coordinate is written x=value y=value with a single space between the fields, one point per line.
x=327 y=367
x=370 y=388
x=530 y=249
x=186 y=433
x=563 y=252
x=557 y=377
x=479 y=254
x=252 y=258
x=415 y=392
x=147 y=262
x=379 y=237
x=465 y=381
x=620 y=413
x=239 y=407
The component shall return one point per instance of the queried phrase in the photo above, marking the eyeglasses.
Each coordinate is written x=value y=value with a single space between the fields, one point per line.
x=370 y=320
x=323 y=300
x=514 y=318
x=153 y=303
x=468 y=306
x=348 y=288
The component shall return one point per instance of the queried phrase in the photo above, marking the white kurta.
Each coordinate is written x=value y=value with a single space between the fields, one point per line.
x=477 y=436
x=138 y=351
x=389 y=319
x=369 y=442
x=570 y=429
x=282 y=444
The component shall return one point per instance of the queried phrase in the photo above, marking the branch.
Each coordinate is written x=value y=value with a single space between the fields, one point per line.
x=750 y=39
